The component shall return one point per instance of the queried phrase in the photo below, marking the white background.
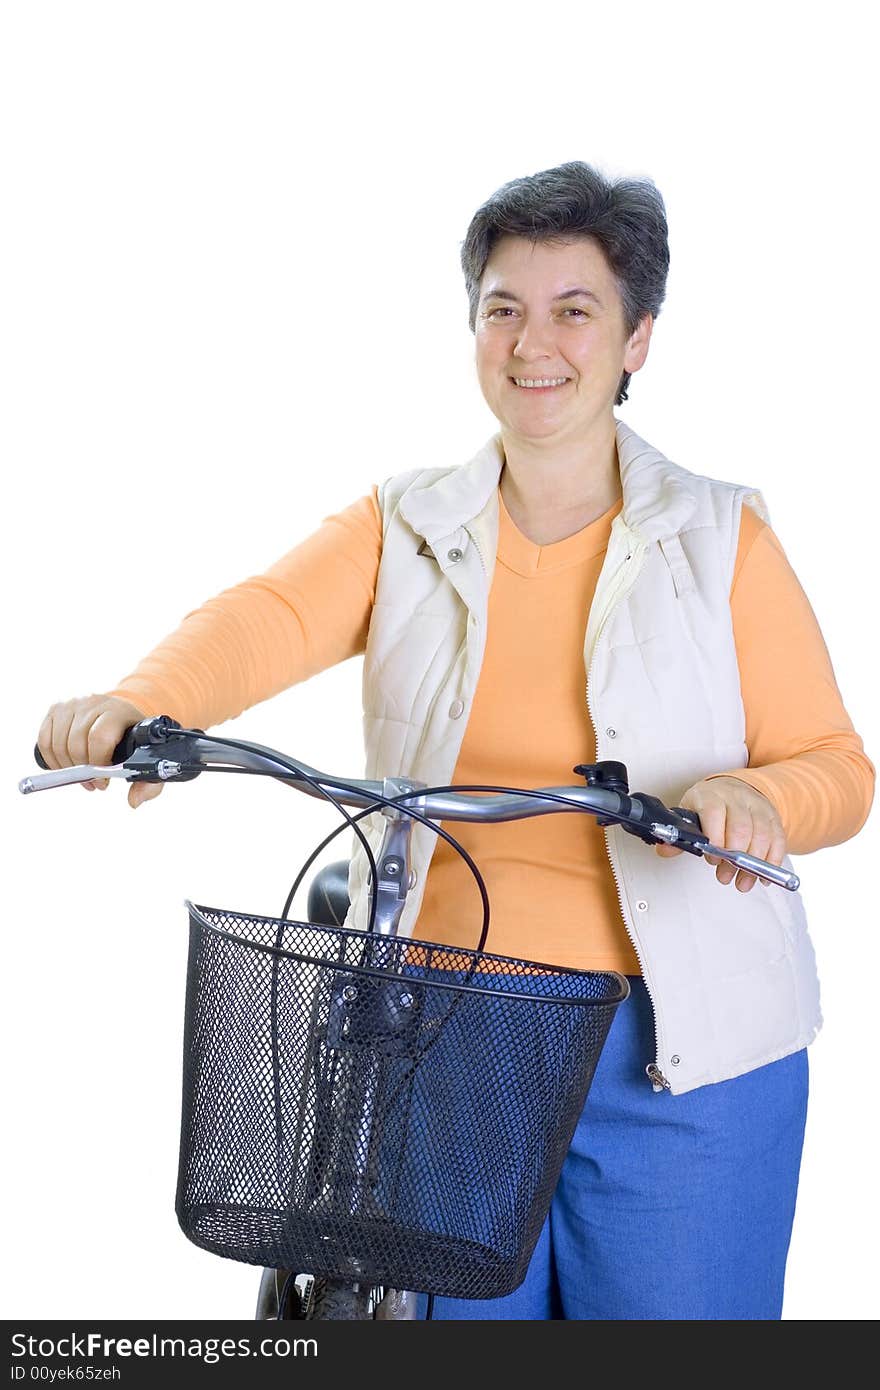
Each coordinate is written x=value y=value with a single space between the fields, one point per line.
x=232 y=302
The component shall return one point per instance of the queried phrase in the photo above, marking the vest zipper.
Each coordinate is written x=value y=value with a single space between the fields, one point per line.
x=623 y=581
x=656 y=1075
x=476 y=544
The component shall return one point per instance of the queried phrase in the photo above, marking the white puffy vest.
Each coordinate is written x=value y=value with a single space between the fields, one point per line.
x=731 y=975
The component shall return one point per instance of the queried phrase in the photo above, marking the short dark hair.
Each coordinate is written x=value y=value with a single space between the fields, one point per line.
x=626 y=218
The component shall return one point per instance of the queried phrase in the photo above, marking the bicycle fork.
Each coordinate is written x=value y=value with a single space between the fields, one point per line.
x=371 y=1020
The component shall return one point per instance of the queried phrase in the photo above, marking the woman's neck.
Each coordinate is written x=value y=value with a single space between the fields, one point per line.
x=551 y=493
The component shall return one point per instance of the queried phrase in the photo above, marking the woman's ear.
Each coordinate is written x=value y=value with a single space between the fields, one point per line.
x=637 y=346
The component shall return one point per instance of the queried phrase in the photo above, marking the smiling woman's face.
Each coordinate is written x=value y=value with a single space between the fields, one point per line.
x=552 y=312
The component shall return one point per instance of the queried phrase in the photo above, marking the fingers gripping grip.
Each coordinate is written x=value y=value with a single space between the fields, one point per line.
x=147 y=731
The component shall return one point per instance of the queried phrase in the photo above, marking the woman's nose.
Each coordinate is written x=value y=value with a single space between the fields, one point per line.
x=534 y=340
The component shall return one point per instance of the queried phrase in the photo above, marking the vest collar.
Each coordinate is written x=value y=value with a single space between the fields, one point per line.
x=657 y=497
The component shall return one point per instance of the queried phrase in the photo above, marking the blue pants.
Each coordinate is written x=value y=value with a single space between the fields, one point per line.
x=668 y=1207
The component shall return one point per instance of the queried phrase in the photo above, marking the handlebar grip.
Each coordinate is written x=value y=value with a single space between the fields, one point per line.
x=121 y=753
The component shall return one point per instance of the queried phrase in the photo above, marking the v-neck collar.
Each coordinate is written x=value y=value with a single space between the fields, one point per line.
x=516 y=552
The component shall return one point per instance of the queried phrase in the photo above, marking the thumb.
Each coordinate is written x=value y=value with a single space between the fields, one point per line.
x=143 y=791
x=667 y=851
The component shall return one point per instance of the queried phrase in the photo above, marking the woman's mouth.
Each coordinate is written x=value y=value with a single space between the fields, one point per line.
x=540 y=384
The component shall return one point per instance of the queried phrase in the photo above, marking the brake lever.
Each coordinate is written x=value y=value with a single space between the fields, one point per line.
x=134 y=758
x=652 y=821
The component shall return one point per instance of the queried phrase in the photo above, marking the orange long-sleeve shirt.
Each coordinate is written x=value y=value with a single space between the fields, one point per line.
x=549 y=880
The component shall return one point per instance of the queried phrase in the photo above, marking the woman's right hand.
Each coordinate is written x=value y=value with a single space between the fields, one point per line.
x=86 y=731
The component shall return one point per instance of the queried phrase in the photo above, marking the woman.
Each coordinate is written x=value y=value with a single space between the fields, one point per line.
x=482 y=596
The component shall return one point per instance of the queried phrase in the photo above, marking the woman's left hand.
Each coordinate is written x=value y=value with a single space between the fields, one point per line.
x=734 y=816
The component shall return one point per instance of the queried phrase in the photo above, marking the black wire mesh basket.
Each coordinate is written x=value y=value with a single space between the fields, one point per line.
x=376 y=1108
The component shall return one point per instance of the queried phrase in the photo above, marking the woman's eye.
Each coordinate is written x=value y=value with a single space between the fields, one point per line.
x=505 y=311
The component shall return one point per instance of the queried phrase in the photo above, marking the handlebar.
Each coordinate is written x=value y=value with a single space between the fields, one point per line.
x=160 y=750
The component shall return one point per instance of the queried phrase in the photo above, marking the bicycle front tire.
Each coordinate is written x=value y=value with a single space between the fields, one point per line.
x=337 y=1302
x=328 y=1300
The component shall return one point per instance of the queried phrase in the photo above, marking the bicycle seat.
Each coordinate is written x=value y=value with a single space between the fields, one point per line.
x=328 y=900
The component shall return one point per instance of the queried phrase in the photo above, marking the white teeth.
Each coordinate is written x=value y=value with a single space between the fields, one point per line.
x=542 y=381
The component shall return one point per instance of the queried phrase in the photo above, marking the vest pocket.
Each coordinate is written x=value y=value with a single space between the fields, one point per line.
x=409 y=657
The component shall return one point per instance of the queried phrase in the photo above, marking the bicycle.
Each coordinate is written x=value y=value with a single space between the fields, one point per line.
x=323 y=1064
